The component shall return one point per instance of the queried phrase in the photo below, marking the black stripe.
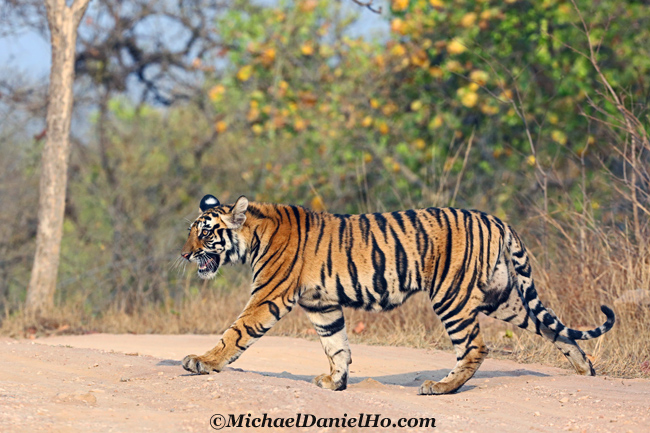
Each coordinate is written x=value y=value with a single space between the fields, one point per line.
x=401 y=261
x=321 y=232
x=320 y=308
x=330 y=329
x=342 y=225
x=364 y=227
x=329 y=259
x=398 y=218
x=379 y=284
x=381 y=223
x=273 y=309
x=448 y=249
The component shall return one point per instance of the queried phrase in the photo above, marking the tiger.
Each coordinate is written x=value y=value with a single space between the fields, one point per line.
x=467 y=261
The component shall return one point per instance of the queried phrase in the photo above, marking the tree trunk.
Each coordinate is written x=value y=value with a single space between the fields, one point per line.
x=63 y=22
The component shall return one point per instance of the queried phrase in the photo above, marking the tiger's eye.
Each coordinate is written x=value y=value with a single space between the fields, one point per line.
x=205 y=232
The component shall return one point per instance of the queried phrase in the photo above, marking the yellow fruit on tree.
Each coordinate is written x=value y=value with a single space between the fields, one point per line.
x=221 y=126
x=245 y=73
x=455 y=47
x=400 y=5
x=469 y=98
x=307 y=49
x=468 y=20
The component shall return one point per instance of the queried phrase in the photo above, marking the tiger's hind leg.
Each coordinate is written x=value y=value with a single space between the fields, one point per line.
x=330 y=326
x=465 y=334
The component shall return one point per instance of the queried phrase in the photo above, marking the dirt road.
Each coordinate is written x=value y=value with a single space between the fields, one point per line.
x=127 y=383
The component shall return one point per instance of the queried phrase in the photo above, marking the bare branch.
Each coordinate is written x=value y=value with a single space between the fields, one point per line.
x=368 y=4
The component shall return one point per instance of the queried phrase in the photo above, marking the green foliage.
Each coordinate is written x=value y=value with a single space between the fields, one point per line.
x=348 y=121
x=298 y=111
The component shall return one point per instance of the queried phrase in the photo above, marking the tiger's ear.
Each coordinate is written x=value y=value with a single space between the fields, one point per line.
x=237 y=215
x=207 y=202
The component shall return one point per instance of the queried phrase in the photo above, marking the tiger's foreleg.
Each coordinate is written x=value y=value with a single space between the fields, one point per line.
x=257 y=318
x=470 y=350
x=330 y=326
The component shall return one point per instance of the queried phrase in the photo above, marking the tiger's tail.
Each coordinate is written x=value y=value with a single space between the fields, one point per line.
x=534 y=306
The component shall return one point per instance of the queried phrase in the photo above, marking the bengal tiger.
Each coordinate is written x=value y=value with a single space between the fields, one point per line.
x=467 y=261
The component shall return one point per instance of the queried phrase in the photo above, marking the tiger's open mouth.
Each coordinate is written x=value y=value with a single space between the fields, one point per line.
x=208 y=266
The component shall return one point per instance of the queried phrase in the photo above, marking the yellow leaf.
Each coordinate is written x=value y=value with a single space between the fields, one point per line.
x=221 y=126
x=437 y=3
x=468 y=20
x=400 y=5
x=489 y=109
x=396 y=167
x=299 y=124
x=558 y=136
x=435 y=71
x=436 y=122
x=454 y=66
x=374 y=103
x=245 y=73
x=397 y=26
x=455 y=47
x=253 y=114
x=531 y=160
x=419 y=144
x=416 y=105
x=553 y=118
x=317 y=204
x=216 y=92
x=383 y=128
x=367 y=121
x=367 y=158
x=389 y=109
x=268 y=56
x=257 y=129
x=398 y=50
x=479 y=77
x=308 y=6
x=307 y=49
x=469 y=98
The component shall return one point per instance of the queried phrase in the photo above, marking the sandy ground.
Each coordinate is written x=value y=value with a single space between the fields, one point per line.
x=129 y=383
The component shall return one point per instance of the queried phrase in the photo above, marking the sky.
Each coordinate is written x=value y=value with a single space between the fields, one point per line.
x=28 y=53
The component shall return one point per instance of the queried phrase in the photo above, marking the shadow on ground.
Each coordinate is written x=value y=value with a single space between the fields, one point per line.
x=411 y=379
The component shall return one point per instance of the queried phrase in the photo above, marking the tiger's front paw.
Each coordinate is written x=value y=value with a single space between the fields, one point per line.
x=195 y=364
x=431 y=387
x=325 y=381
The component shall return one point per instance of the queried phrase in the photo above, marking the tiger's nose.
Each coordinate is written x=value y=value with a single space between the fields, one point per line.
x=186 y=255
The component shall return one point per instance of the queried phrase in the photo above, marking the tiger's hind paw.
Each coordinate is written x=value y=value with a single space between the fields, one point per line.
x=325 y=381
x=431 y=387
x=194 y=364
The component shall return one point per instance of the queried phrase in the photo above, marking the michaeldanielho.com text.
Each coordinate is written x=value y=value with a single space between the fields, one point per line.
x=363 y=420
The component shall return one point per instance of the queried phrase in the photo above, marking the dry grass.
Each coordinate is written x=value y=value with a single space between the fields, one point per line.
x=574 y=288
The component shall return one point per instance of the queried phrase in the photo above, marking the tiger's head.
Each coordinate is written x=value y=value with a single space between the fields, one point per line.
x=214 y=237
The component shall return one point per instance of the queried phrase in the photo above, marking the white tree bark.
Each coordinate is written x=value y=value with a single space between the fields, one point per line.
x=63 y=22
